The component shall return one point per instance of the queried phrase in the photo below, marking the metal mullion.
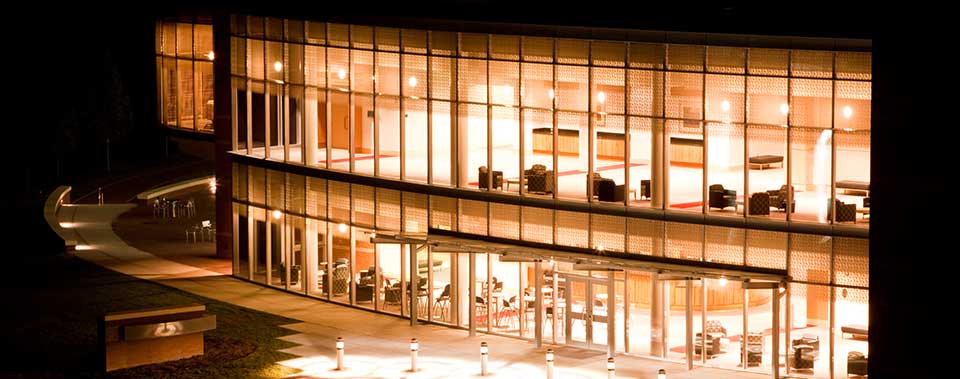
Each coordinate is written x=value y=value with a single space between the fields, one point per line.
x=789 y=178
x=538 y=302
x=376 y=118
x=414 y=284
x=285 y=123
x=704 y=204
x=429 y=279
x=626 y=142
x=328 y=117
x=472 y=293
x=351 y=132
x=626 y=305
x=703 y=322
x=249 y=116
x=403 y=117
x=490 y=305
x=233 y=114
x=377 y=279
x=746 y=141
x=351 y=234
x=556 y=139
x=429 y=98
x=522 y=144
x=489 y=105
x=833 y=143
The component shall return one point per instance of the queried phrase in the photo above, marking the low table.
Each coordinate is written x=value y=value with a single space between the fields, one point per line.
x=512 y=181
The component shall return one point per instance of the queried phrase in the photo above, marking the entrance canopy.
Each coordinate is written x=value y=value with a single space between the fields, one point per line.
x=584 y=259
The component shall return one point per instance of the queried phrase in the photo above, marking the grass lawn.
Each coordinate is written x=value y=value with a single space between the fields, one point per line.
x=51 y=304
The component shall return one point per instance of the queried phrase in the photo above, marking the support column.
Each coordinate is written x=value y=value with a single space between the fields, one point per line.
x=538 y=303
x=472 y=301
x=775 y=359
x=658 y=161
x=413 y=284
x=689 y=324
x=611 y=314
x=310 y=149
x=658 y=324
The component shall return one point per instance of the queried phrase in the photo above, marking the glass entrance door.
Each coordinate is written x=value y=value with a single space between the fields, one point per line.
x=586 y=317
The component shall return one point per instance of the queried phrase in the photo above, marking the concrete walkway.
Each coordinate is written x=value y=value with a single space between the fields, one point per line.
x=376 y=344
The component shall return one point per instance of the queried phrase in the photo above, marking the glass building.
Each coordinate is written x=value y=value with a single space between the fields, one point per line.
x=702 y=198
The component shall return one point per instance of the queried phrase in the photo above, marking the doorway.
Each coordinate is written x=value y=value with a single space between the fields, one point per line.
x=588 y=310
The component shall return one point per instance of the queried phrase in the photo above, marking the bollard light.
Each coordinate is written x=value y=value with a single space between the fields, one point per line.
x=414 y=346
x=662 y=374
x=611 y=368
x=339 y=353
x=483 y=358
x=549 y=363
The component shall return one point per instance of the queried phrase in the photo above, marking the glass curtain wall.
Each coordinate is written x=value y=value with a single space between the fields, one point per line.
x=673 y=126
x=185 y=74
x=289 y=236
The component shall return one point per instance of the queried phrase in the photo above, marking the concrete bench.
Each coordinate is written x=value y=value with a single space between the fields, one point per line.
x=153 y=335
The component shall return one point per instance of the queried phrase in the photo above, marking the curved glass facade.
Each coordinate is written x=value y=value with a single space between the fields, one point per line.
x=570 y=152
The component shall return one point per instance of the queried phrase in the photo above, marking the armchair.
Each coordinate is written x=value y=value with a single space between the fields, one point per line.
x=608 y=190
x=645 y=188
x=722 y=198
x=804 y=351
x=759 y=203
x=856 y=363
x=778 y=198
x=714 y=332
x=594 y=180
x=484 y=178
x=803 y=357
x=753 y=345
x=539 y=179
x=845 y=212
x=341 y=279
